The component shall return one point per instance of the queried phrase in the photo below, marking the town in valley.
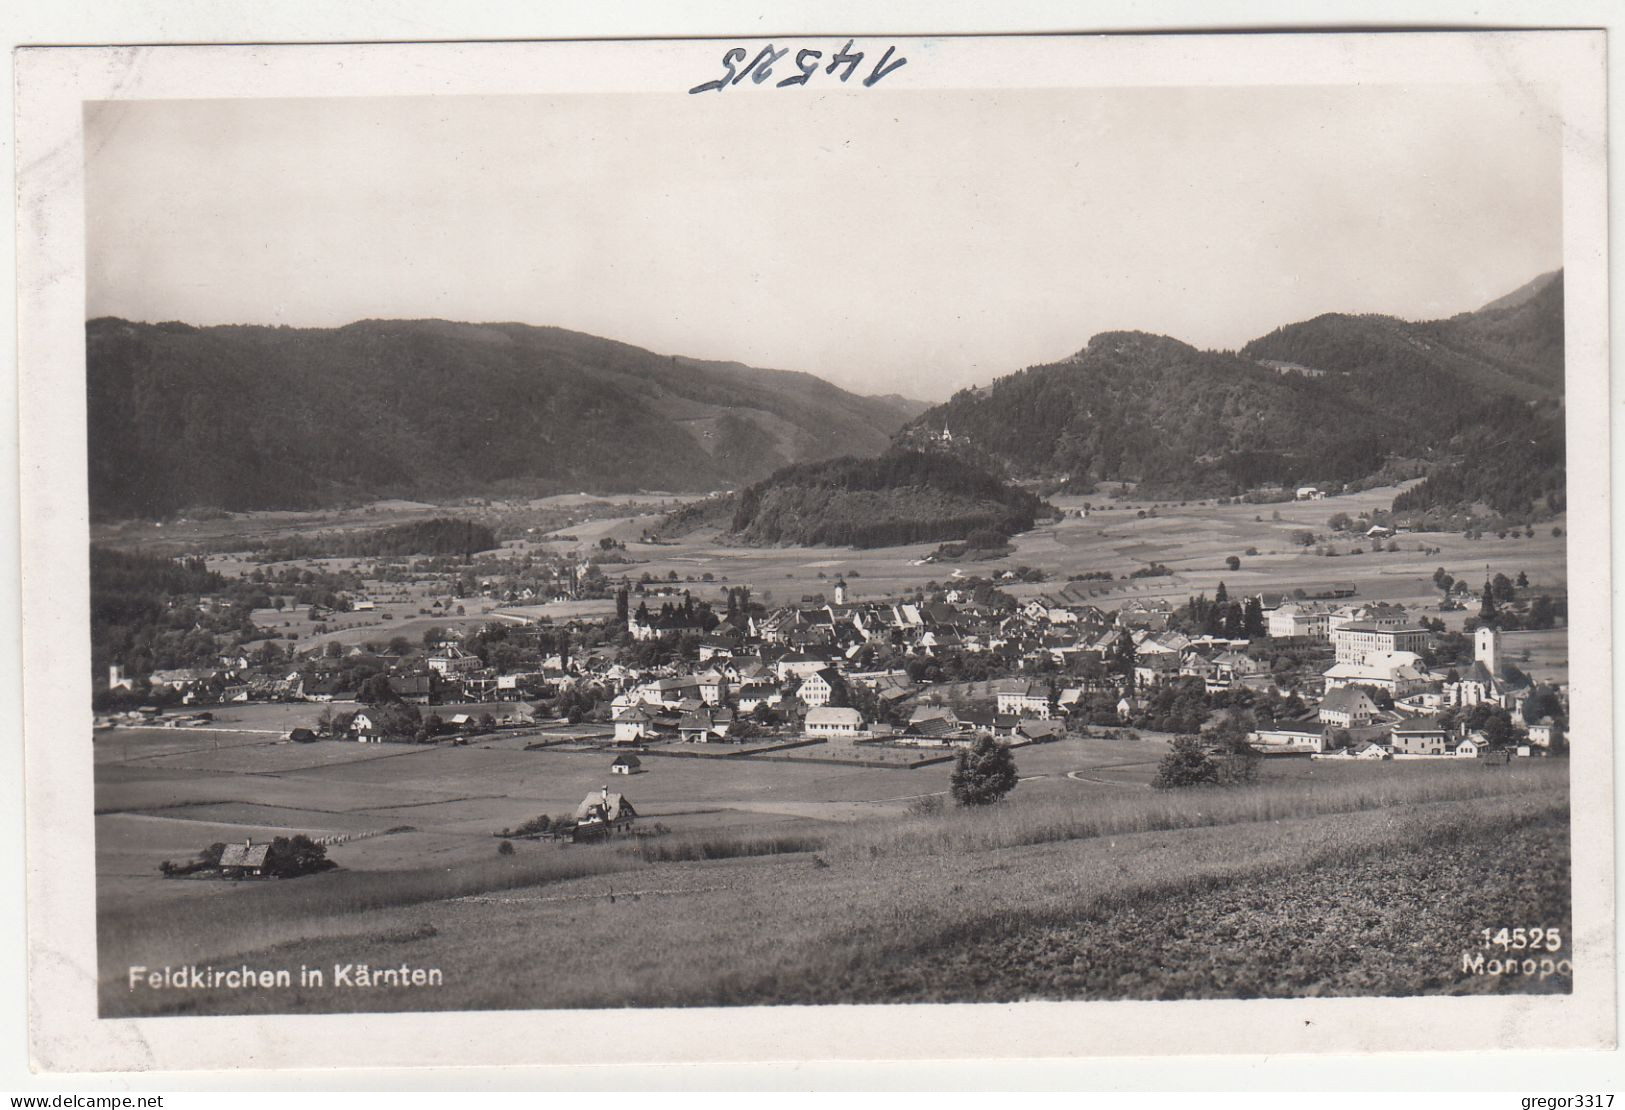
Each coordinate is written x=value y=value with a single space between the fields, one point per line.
x=1053 y=543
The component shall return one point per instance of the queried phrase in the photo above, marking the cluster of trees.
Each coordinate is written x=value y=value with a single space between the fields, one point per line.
x=1222 y=616
x=143 y=613
x=1539 y=612
x=1178 y=706
x=1494 y=722
x=1224 y=759
x=904 y=496
x=144 y=610
x=1504 y=605
x=1516 y=468
x=440 y=536
x=508 y=647
x=536 y=825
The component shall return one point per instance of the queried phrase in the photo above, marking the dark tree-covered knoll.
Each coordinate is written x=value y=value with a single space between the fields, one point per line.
x=440 y=536
x=902 y=497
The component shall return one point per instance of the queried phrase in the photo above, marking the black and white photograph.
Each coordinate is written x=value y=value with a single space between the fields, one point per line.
x=720 y=527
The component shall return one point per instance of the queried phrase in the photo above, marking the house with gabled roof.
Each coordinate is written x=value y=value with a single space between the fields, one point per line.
x=1348 y=707
x=601 y=814
x=635 y=725
x=1031 y=699
x=705 y=725
x=820 y=687
x=245 y=860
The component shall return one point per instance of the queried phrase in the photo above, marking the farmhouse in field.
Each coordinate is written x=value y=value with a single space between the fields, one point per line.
x=601 y=814
x=245 y=860
x=626 y=765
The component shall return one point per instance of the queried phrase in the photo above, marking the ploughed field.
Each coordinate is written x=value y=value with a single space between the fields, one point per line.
x=780 y=883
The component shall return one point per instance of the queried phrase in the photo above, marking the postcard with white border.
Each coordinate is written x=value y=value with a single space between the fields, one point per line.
x=822 y=547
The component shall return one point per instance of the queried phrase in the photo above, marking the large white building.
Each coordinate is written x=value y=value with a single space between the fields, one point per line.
x=1292 y=618
x=1360 y=640
x=1032 y=700
x=1398 y=672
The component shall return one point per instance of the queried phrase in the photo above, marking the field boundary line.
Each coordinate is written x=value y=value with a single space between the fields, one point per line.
x=611 y=895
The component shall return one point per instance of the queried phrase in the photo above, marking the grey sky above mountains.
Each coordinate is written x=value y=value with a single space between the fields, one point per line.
x=889 y=241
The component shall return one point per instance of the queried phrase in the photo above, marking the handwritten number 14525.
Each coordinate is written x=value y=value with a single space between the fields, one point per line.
x=806 y=62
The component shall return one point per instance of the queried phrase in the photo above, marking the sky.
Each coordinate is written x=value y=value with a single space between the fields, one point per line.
x=915 y=242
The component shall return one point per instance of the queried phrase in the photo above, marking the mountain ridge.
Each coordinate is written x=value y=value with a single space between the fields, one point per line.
x=1336 y=399
x=254 y=416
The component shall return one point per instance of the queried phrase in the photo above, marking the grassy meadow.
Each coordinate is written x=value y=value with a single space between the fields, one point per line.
x=900 y=907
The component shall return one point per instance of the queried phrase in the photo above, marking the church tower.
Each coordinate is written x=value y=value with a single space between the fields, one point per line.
x=1487 y=648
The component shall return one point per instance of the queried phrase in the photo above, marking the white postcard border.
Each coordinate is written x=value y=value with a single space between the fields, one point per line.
x=67 y=1035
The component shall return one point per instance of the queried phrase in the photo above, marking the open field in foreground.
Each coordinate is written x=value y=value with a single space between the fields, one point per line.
x=1368 y=885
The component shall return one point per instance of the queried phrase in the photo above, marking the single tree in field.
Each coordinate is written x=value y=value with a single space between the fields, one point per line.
x=1186 y=764
x=983 y=774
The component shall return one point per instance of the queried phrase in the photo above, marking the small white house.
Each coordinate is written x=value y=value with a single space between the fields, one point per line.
x=1545 y=733
x=833 y=721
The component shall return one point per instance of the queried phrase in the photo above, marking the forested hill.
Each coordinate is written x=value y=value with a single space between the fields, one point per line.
x=901 y=497
x=241 y=417
x=1512 y=346
x=1475 y=399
